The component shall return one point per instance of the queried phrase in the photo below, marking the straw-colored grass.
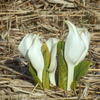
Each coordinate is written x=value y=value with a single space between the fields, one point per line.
x=20 y=17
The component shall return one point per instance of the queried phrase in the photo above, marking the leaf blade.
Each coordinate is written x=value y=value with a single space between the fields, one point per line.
x=34 y=74
x=63 y=70
x=81 y=69
x=45 y=75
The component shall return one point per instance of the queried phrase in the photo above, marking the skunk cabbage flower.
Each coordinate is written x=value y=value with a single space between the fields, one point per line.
x=36 y=57
x=30 y=47
x=52 y=46
x=76 y=47
x=26 y=44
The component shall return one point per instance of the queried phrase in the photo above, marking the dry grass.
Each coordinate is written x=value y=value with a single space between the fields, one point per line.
x=19 y=17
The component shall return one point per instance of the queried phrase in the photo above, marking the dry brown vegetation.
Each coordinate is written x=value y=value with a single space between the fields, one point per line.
x=20 y=17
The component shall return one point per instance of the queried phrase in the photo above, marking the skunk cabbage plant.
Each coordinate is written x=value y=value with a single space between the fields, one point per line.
x=30 y=48
x=76 y=47
x=52 y=45
x=36 y=57
x=43 y=57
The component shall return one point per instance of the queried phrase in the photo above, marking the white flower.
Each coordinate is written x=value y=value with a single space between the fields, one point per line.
x=52 y=45
x=30 y=48
x=76 y=47
x=25 y=44
x=36 y=57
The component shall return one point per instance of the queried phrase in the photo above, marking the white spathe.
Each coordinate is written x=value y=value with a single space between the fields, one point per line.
x=52 y=46
x=25 y=44
x=76 y=47
x=36 y=57
x=85 y=35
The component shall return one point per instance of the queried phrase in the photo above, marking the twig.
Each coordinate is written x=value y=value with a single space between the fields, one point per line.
x=34 y=88
x=96 y=70
x=23 y=91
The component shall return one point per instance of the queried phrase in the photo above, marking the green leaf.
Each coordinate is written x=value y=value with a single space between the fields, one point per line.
x=81 y=69
x=62 y=66
x=46 y=55
x=34 y=74
x=73 y=85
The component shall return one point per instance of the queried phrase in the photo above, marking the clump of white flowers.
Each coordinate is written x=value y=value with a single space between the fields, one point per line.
x=43 y=62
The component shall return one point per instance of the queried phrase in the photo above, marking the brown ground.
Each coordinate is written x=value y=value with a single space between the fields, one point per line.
x=19 y=17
